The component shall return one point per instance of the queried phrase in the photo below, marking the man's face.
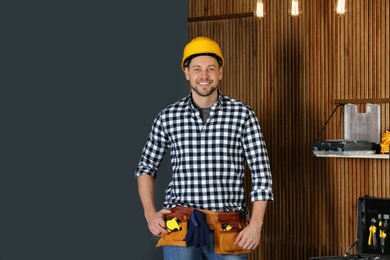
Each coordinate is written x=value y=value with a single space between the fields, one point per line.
x=203 y=74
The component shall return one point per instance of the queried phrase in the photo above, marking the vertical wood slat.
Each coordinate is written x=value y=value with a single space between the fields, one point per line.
x=290 y=71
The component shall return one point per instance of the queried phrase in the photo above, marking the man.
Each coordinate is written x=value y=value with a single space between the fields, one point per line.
x=210 y=137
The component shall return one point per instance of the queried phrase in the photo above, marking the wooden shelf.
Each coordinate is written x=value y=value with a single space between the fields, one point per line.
x=364 y=156
x=221 y=17
x=362 y=101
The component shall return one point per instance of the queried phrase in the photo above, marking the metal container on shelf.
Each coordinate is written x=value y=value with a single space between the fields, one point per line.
x=362 y=126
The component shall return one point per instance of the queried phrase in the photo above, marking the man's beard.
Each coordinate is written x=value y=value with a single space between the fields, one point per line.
x=204 y=94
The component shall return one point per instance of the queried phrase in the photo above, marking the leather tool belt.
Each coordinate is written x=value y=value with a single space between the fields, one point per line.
x=226 y=227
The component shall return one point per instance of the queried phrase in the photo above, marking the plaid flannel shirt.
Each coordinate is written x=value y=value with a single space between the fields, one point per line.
x=208 y=158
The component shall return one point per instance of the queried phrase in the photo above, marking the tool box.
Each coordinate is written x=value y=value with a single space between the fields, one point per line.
x=372 y=231
x=344 y=147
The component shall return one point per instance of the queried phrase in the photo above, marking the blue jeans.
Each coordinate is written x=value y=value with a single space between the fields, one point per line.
x=198 y=253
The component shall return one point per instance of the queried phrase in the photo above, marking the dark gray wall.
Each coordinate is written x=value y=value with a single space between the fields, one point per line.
x=82 y=82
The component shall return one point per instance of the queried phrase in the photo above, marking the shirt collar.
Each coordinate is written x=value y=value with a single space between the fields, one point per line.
x=218 y=103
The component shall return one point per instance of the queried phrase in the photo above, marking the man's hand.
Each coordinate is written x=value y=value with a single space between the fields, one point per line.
x=156 y=222
x=155 y=219
x=249 y=237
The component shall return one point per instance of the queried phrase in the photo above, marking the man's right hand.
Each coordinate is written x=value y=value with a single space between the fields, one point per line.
x=156 y=222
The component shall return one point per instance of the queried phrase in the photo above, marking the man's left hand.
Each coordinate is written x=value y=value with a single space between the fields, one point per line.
x=249 y=237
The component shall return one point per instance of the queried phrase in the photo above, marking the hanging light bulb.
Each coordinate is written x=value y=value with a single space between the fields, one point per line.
x=341 y=7
x=260 y=13
x=295 y=8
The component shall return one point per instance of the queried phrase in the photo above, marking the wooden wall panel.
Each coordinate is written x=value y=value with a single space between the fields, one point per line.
x=291 y=71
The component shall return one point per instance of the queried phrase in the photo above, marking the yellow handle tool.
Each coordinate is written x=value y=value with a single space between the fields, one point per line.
x=372 y=237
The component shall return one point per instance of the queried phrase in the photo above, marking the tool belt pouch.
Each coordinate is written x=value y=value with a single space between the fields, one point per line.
x=226 y=231
x=175 y=237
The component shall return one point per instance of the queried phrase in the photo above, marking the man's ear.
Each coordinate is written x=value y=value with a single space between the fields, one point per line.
x=186 y=73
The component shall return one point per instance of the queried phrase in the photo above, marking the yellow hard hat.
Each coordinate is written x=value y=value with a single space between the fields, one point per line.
x=201 y=46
